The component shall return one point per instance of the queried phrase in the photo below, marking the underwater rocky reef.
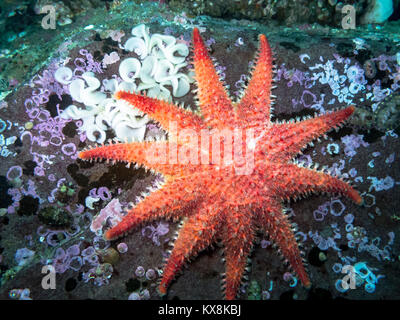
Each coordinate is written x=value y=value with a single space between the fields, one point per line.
x=57 y=98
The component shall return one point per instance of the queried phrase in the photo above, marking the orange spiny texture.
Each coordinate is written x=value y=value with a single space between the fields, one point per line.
x=213 y=201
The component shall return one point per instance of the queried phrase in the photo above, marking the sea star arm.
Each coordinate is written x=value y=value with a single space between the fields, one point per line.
x=215 y=103
x=273 y=222
x=167 y=114
x=237 y=239
x=197 y=233
x=255 y=105
x=167 y=202
x=151 y=154
x=288 y=139
x=293 y=181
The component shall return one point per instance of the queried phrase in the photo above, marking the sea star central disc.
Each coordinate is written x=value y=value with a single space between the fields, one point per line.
x=227 y=199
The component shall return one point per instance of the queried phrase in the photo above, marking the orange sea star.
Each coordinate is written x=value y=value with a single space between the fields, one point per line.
x=217 y=200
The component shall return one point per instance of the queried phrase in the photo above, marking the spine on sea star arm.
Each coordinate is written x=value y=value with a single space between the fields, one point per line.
x=162 y=111
x=310 y=129
x=166 y=202
x=295 y=136
x=215 y=103
x=152 y=155
x=195 y=235
x=294 y=181
x=238 y=239
x=279 y=229
x=256 y=102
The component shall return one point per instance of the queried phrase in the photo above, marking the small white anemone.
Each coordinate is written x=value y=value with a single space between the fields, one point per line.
x=129 y=69
x=180 y=48
x=147 y=72
x=63 y=75
x=89 y=201
x=165 y=71
x=138 y=46
x=125 y=130
x=141 y=31
x=180 y=85
x=86 y=94
x=73 y=112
